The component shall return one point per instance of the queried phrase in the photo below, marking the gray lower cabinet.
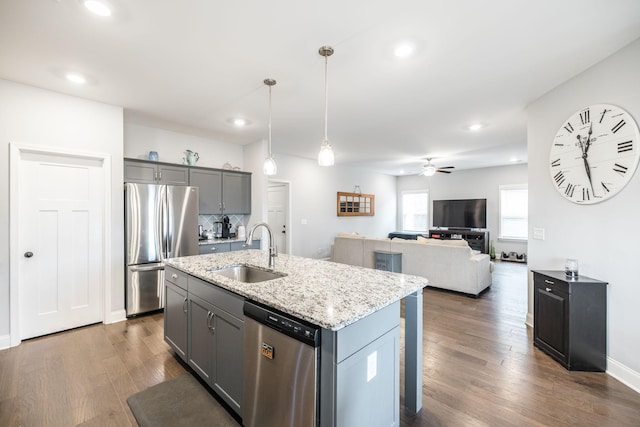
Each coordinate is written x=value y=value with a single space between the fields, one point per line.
x=359 y=364
x=215 y=334
x=214 y=248
x=175 y=311
x=146 y=172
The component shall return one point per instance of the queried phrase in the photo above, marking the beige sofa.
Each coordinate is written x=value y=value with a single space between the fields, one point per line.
x=447 y=264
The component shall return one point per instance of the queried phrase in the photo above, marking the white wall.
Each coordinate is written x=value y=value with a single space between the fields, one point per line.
x=314 y=222
x=470 y=184
x=603 y=237
x=140 y=139
x=38 y=117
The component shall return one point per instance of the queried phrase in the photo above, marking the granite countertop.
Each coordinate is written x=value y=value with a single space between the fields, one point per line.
x=325 y=293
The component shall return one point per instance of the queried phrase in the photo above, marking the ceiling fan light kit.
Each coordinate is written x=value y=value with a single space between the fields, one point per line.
x=326 y=157
x=430 y=169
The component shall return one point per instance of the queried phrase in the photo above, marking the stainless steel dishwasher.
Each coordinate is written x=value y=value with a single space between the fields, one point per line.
x=280 y=369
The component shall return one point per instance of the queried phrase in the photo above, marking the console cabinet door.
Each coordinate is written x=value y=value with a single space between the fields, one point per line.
x=175 y=319
x=210 y=185
x=551 y=321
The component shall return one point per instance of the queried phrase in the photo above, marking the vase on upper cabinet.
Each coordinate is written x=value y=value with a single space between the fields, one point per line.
x=191 y=157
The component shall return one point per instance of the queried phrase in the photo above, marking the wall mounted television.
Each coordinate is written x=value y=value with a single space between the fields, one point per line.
x=461 y=213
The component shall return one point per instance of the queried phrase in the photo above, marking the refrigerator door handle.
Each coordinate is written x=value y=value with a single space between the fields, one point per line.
x=135 y=268
x=164 y=226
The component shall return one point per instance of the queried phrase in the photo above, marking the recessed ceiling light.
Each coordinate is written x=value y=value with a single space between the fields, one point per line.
x=97 y=7
x=76 y=78
x=475 y=127
x=403 y=50
x=239 y=122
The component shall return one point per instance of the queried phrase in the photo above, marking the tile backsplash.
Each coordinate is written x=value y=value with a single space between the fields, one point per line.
x=206 y=221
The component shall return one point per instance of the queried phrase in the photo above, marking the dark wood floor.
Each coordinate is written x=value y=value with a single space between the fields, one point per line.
x=480 y=369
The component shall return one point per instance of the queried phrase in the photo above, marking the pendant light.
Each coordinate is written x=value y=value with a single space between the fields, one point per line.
x=269 y=167
x=325 y=157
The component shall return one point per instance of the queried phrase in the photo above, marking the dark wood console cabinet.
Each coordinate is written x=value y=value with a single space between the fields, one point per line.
x=477 y=239
x=570 y=320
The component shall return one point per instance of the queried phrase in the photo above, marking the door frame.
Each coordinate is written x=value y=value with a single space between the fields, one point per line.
x=16 y=151
x=288 y=208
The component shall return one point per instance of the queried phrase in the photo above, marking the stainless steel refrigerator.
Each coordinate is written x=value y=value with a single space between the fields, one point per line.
x=161 y=221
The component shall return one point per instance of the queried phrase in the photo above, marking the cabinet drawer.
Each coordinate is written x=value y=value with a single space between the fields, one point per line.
x=223 y=299
x=176 y=277
x=239 y=246
x=214 y=248
x=551 y=284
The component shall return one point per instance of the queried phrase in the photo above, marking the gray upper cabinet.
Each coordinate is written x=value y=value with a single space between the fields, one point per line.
x=236 y=193
x=210 y=184
x=222 y=191
x=147 y=172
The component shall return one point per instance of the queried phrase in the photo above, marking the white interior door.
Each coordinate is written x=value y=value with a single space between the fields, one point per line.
x=60 y=205
x=278 y=208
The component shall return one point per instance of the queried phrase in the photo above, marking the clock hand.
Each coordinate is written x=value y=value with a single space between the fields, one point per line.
x=588 y=143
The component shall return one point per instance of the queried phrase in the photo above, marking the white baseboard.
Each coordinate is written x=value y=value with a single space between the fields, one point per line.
x=115 y=316
x=529 y=320
x=624 y=374
x=5 y=341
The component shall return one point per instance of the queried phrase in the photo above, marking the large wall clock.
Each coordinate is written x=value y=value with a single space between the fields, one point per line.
x=594 y=154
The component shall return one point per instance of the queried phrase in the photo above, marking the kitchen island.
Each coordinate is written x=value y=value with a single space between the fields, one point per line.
x=358 y=311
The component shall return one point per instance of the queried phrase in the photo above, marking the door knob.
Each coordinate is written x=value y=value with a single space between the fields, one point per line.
x=28 y=254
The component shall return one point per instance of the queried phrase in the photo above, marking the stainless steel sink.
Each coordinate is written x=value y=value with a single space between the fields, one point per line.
x=247 y=274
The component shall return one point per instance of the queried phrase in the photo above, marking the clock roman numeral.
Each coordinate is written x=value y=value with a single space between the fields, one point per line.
x=556 y=162
x=625 y=146
x=585 y=194
x=585 y=117
x=605 y=187
x=568 y=127
x=617 y=127
x=569 y=190
x=605 y=111
x=559 y=178
x=620 y=169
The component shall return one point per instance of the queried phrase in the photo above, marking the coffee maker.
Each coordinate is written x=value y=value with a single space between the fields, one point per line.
x=226 y=227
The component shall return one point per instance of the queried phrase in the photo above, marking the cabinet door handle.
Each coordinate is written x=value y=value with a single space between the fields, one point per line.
x=174 y=276
x=184 y=305
x=549 y=282
x=210 y=319
x=548 y=289
x=214 y=248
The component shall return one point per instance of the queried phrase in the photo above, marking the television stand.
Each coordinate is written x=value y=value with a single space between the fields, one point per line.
x=477 y=239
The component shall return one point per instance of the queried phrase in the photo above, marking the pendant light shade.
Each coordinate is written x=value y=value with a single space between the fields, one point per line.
x=269 y=167
x=325 y=157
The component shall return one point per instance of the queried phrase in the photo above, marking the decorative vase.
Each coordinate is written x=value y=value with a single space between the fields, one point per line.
x=492 y=250
x=153 y=155
x=192 y=157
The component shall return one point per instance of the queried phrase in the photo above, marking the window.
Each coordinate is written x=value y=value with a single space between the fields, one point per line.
x=415 y=210
x=514 y=212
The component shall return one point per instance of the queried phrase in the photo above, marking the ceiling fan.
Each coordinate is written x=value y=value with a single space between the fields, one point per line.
x=429 y=169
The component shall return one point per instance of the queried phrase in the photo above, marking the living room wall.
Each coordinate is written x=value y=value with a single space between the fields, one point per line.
x=589 y=232
x=314 y=222
x=470 y=184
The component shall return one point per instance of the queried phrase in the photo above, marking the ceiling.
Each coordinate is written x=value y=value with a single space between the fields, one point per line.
x=194 y=65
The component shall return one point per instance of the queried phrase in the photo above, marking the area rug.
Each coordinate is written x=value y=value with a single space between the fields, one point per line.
x=181 y=401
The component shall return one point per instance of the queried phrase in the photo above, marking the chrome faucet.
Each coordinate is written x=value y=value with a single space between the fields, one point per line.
x=273 y=250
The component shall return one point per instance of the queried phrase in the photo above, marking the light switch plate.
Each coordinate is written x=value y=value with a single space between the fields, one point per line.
x=538 y=233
